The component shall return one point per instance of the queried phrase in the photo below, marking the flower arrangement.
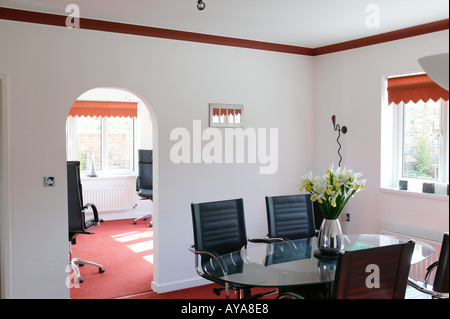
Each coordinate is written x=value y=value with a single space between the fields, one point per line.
x=332 y=190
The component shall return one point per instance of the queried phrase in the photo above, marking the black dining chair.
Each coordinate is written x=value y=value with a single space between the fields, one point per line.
x=373 y=273
x=290 y=217
x=78 y=223
x=219 y=229
x=440 y=287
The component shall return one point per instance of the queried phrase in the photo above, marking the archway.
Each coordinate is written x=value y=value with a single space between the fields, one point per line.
x=142 y=131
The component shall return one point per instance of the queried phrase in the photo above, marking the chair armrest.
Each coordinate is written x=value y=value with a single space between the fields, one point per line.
x=266 y=240
x=207 y=253
x=94 y=210
x=428 y=273
x=423 y=288
x=212 y=255
x=201 y=252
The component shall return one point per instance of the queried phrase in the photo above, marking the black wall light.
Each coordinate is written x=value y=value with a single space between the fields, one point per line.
x=338 y=128
x=200 y=5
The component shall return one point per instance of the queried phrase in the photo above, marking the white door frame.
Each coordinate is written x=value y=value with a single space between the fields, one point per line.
x=5 y=209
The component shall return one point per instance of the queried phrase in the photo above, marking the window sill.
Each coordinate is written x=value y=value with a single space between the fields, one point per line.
x=396 y=191
x=101 y=176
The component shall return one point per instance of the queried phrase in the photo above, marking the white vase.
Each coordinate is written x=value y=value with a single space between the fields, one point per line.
x=92 y=174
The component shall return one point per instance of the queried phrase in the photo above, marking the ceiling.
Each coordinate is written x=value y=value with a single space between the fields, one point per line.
x=305 y=23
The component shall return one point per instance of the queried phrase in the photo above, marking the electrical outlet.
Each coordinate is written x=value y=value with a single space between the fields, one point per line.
x=347 y=217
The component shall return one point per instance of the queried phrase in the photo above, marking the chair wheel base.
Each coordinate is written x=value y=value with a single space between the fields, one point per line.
x=217 y=291
x=289 y=295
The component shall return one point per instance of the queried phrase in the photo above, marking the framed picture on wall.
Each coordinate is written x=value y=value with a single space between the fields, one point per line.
x=226 y=115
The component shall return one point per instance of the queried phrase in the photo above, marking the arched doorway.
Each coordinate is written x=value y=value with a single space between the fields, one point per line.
x=105 y=137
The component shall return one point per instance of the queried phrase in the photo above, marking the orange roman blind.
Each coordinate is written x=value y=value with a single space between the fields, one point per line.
x=104 y=109
x=414 y=88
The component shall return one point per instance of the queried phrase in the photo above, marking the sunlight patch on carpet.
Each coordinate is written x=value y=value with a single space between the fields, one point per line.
x=142 y=246
x=149 y=258
x=126 y=237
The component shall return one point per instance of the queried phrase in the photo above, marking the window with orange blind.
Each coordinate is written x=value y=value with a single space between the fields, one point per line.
x=102 y=132
x=419 y=109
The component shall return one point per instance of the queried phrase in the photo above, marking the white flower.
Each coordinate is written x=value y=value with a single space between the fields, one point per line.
x=333 y=189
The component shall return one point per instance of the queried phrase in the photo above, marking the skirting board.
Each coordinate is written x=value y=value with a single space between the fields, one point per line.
x=178 y=285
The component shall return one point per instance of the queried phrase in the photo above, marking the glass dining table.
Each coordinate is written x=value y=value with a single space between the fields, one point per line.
x=292 y=263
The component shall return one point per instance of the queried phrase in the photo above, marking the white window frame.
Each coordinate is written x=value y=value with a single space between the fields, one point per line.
x=72 y=143
x=392 y=148
x=443 y=144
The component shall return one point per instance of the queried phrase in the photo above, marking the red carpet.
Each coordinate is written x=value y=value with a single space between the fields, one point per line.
x=126 y=252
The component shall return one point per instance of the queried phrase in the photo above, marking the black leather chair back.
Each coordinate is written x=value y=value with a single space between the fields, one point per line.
x=75 y=198
x=352 y=275
x=441 y=279
x=145 y=173
x=290 y=217
x=318 y=216
x=219 y=227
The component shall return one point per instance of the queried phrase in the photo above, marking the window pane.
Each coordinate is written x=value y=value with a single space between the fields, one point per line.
x=89 y=142
x=421 y=127
x=120 y=140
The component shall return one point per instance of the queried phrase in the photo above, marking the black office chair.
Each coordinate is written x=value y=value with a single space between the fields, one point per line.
x=440 y=287
x=373 y=273
x=290 y=217
x=219 y=229
x=78 y=224
x=144 y=180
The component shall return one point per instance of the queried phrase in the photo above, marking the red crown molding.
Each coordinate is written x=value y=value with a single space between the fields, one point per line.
x=385 y=37
x=115 y=27
x=107 y=26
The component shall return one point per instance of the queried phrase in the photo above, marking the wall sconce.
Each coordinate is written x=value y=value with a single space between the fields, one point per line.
x=338 y=128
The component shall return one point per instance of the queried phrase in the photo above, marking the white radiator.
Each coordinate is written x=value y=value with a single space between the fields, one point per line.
x=108 y=199
x=418 y=271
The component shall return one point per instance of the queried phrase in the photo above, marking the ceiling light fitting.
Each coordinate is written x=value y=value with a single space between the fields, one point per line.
x=436 y=67
x=200 y=5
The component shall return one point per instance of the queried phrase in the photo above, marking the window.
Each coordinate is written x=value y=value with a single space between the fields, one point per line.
x=422 y=135
x=108 y=140
x=415 y=136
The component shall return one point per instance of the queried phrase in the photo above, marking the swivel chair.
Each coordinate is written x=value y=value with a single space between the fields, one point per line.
x=144 y=180
x=78 y=223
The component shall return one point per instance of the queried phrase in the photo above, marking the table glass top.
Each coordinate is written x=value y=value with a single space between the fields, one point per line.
x=293 y=262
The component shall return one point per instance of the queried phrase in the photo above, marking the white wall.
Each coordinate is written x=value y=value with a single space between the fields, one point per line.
x=349 y=84
x=49 y=67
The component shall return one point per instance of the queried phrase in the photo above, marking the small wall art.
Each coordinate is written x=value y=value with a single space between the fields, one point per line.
x=226 y=115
